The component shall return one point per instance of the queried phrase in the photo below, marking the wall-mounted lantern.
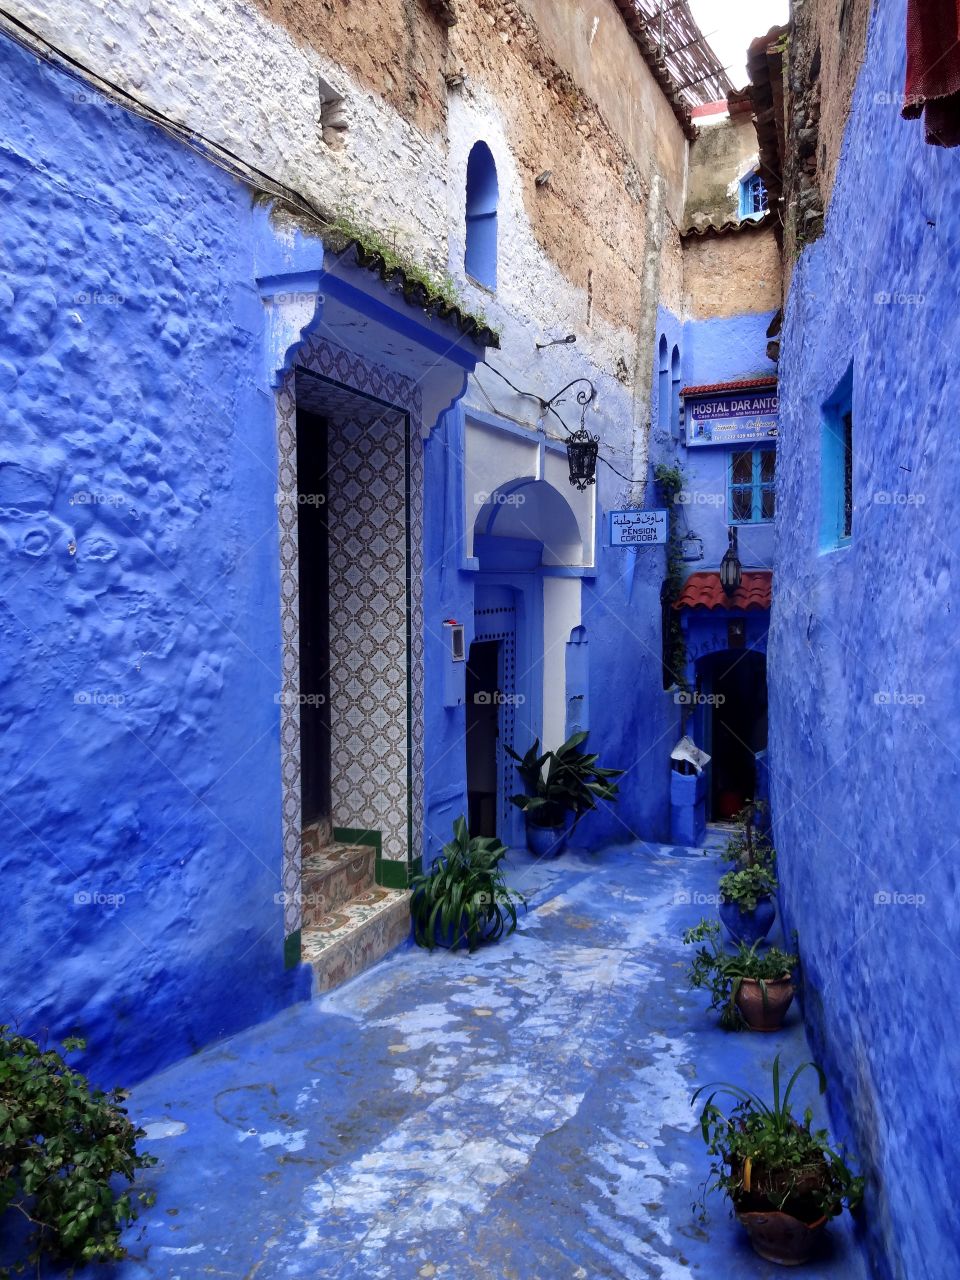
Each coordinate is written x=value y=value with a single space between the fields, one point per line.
x=691 y=547
x=731 y=571
x=582 y=449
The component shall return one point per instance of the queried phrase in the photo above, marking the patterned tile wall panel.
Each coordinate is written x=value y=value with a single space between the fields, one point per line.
x=376 y=472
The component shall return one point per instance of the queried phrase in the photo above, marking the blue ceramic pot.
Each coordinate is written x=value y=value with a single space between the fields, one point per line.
x=546 y=842
x=748 y=926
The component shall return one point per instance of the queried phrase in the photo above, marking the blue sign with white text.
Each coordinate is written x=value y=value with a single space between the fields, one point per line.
x=738 y=418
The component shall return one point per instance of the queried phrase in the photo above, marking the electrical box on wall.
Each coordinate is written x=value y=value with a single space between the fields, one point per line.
x=454 y=664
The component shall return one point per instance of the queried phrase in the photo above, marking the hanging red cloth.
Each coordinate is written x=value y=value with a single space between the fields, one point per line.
x=933 y=69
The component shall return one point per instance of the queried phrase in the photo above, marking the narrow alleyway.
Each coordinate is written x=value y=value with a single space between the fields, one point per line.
x=524 y=1112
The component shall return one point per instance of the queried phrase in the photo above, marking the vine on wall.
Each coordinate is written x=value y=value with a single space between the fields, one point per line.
x=670 y=481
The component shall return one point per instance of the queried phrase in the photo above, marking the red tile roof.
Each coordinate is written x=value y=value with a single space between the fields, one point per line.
x=741 y=384
x=709 y=108
x=703 y=591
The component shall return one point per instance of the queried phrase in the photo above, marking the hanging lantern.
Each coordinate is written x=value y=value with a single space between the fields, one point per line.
x=730 y=567
x=582 y=450
x=691 y=547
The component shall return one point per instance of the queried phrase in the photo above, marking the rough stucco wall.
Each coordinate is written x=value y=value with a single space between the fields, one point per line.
x=394 y=48
x=734 y=274
x=722 y=155
x=138 y=545
x=863 y=660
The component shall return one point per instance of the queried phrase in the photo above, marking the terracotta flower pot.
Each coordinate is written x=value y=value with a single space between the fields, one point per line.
x=782 y=1238
x=760 y=1015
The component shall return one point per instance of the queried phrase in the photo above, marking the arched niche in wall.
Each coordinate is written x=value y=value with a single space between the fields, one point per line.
x=663 y=383
x=483 y=194
x=578 y=686
x=675 y=393
x=532 y=512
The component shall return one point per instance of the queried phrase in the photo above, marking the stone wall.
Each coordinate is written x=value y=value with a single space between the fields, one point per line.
x=737 y=273
x=824 y=55
x=724 y=152
x=863 y=657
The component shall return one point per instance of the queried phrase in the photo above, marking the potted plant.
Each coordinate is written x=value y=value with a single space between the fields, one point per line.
x=747 y=908
x=783 y=1177
x=748 y=988
x=464 y=899
x=555 y=801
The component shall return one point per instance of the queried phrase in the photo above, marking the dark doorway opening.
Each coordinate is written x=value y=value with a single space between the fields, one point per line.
x=314 y=590
x=734 y=684
x=483 y=731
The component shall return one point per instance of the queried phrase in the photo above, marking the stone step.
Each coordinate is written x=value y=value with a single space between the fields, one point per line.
x=356 y=935
x=331 y=876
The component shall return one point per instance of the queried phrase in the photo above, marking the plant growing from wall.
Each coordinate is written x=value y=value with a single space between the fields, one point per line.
x=347 y=227
x=62 y=1146
x=670 y=481
x=770 y=1163
x=464 y=899
x=726 y=975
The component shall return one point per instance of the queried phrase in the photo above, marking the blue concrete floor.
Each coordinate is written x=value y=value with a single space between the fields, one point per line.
x=524 y=1112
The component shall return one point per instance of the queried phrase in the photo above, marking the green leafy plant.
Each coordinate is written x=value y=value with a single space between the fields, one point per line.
x=573 y=783
x=765 y=1159
x=747 y=886
x=62 y=1143
x=464 y=899
x=670 y=481
x=722 y=973
x=748 y=846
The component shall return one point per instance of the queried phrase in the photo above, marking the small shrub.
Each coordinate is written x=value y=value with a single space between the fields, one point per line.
x=61 y=1143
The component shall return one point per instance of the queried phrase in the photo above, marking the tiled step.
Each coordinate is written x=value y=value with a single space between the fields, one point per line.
x=330 y=876
x=358 y=934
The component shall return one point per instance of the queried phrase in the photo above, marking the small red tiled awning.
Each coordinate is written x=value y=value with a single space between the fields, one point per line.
x=703 y=591
x=741 y=384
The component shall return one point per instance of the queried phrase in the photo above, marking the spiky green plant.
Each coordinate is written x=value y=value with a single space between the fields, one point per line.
x=464 y=899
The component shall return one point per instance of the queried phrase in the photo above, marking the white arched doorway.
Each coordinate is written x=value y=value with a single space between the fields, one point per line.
x=529 y=557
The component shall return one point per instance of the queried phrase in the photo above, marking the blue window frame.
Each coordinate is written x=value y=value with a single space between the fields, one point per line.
x=753 y=197
x=836 y=466
x=750 y=496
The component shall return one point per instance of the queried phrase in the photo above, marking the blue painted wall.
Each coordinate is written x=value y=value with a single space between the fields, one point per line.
x=863 y=662
x=139 y=630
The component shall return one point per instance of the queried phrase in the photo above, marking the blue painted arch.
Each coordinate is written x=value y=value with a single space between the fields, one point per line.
x=483 y=197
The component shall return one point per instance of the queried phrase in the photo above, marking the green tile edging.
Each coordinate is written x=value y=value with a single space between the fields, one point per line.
x=392 y=873
x=291 y=950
